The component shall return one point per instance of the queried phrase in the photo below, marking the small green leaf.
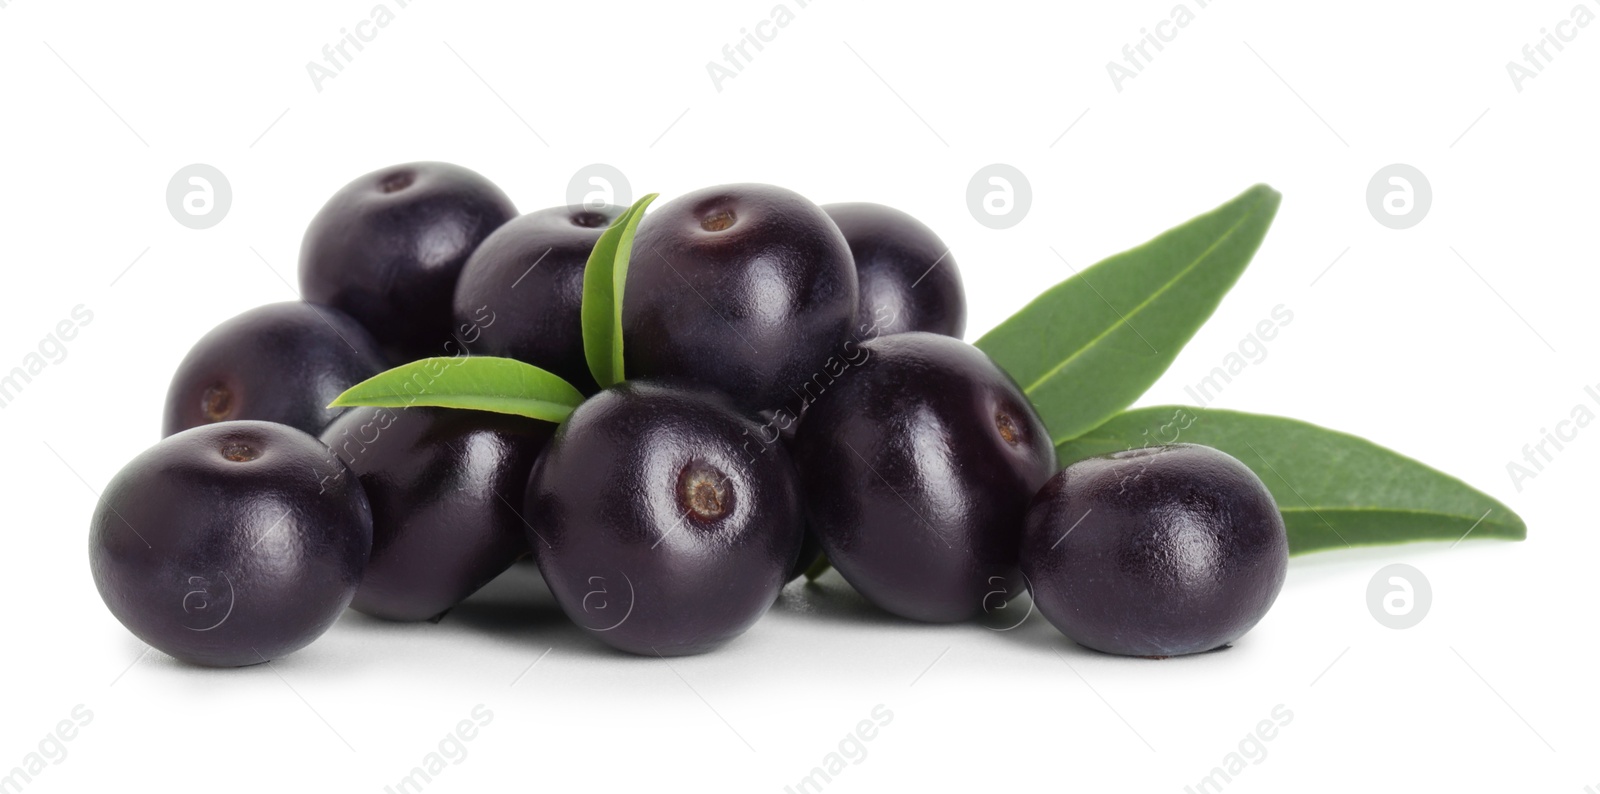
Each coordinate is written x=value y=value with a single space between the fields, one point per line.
x=1091 y=345
x=481 y=383
x=818 y=568
x=604 y=276
x=1334 y=490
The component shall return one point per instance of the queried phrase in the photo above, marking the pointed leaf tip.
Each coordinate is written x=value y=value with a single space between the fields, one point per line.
x=482 y=383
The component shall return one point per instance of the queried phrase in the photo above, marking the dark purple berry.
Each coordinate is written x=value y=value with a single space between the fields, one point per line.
x=906 y=272
x=388 y=247
x=1157 y=551
x=744 y=289
x=659 y=526
x=230 y=544
x=446 y=489
x=283 y=362
x=917 y=466
x=520 y=293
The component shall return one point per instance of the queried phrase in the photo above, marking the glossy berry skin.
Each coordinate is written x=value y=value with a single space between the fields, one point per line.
x=283 y=362
x=810 y=553
x=916 y=469
x=743 y=289
x=230 y=544
x=905 y=270
x=388 y=247
x=1176 y=549
x=520 y=293
x=656 y=527
x=776 y=429
x=445 y=486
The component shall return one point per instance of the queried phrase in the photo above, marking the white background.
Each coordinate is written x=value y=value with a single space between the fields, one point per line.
x=1456 y=341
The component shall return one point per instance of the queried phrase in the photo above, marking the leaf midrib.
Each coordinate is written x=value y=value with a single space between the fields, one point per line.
x=1146 y=302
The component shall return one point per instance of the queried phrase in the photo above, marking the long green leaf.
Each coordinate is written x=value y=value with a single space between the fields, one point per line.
x=483 y=383
x=1334 y=489
x=1091 y=345
x=604 y=276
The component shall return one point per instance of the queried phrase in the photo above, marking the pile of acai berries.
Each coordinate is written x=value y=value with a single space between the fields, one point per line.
x=796 y=387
